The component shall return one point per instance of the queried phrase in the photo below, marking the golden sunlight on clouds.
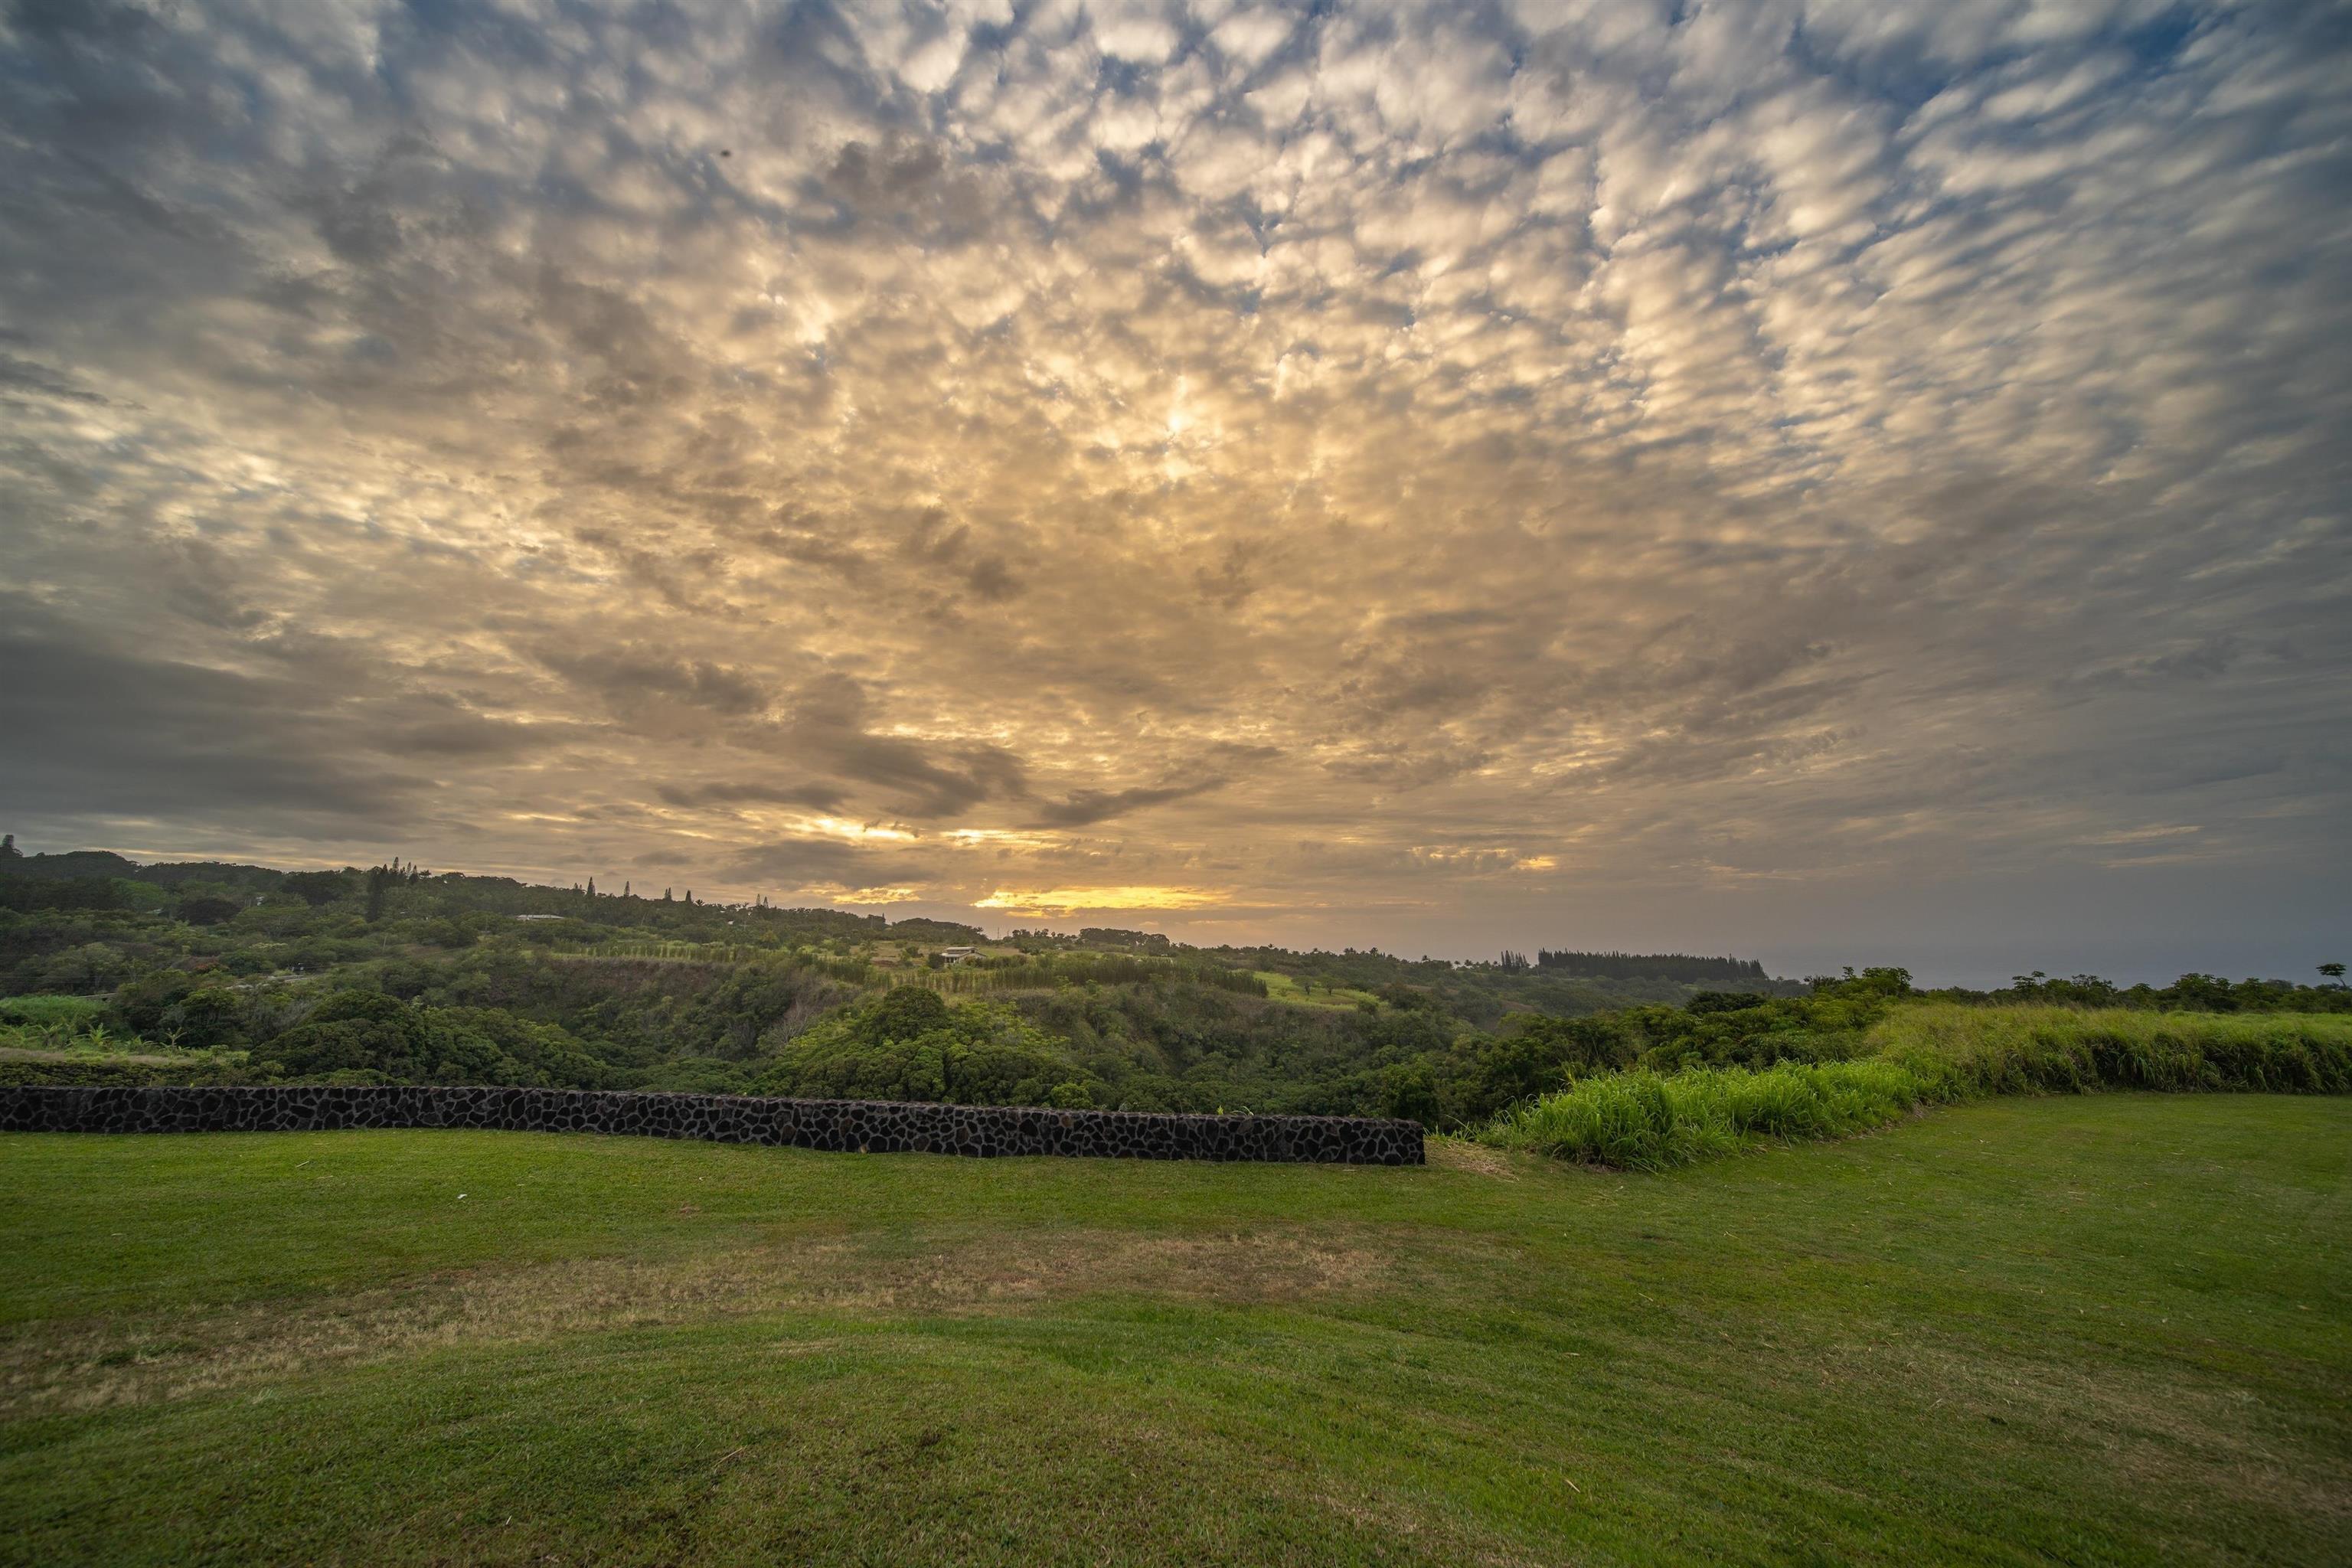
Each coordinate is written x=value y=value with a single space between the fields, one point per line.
x=855 y=832
x=1071 y=901
x=1539 y=466
x=835 y=893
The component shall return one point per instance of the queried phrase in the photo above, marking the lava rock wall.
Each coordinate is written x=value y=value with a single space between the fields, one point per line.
x=859 y=1125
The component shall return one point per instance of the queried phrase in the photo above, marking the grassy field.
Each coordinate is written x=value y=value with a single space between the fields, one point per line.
x=1281 y=988
x=2088 y=1329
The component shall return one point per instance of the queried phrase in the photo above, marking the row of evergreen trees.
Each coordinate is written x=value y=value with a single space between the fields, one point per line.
x=1679 y=966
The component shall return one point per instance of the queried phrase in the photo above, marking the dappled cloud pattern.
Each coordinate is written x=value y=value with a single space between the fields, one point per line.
x=1607 y=468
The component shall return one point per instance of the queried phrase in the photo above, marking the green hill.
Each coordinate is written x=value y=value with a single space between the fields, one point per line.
x=207 y=971
x=2101 y=1329
x=397 y=973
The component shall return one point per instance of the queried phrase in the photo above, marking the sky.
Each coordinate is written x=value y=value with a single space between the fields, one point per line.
x=1829 y=482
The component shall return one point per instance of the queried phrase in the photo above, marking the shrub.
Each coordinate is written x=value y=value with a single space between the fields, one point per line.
x=206 y=1018
x=368 y=1032
x=68 y=1013
x=1965 y=1052
x=1648 y=1121
x=319 y=888
x=1921 y=1055
x=115 y=1073
x=910 y=1044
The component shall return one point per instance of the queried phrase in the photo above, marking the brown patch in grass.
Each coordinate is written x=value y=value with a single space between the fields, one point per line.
x=86 y=1365
x=1450 y=1154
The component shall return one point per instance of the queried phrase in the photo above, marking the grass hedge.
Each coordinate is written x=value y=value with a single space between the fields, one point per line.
x=1931 y=1054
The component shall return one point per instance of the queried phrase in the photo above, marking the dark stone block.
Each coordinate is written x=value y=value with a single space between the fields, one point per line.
x=980 y=1131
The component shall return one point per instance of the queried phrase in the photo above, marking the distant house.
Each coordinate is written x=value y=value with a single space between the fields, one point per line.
x=957 y=954
x=539 y=916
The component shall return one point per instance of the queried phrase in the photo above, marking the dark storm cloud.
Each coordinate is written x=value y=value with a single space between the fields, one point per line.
x=1086 y=807
x=458 y=736
x=815 y=796
x=839 y=868
x=30 y=376
x=937 y=542
x=826 y=728
x=89 y=730
x=629 y=677
x=922 y=782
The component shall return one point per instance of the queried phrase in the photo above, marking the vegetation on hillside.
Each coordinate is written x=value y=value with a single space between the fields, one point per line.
x=211 y=972
x=1659 y=1086
x=1929 y=1054
x=910 y=1044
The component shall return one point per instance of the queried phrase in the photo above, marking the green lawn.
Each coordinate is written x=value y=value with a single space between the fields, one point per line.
x=2115 y=1329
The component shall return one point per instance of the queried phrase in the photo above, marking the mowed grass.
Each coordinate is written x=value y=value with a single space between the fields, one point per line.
x=2106 y=1328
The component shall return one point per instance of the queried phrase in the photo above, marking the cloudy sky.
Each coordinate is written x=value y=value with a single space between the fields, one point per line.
x=1836 y=482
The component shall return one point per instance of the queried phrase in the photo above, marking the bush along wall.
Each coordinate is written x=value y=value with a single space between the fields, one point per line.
x=851 y=1125
x=1919 y=1056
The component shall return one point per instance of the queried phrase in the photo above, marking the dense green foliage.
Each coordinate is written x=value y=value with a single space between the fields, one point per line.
x=1923 y=1054
x=64 y=1015
x=207 y=971
x=119 y=1071
x=2103 y=1330
x=985 y=974
x=212 y=972
x=367 y=1037
x=910 y=1044
x=1648 y=1121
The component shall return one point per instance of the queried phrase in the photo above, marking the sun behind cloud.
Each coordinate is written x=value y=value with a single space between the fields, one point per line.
x=1064 y=902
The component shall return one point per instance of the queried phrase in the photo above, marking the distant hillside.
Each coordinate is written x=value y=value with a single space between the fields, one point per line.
x=93 y=879
x=216 y=971
x=90 y=877
x=111 y=971
x=73 y=863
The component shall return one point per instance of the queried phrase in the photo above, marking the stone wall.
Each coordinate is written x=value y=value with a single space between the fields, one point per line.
x=876 y=1126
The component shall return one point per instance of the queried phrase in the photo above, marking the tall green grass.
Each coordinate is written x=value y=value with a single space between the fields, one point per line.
x=1648 y=1121
x=59 y=1023
x=1964 y=1053
x=52 y=1011
x=1926 y=1055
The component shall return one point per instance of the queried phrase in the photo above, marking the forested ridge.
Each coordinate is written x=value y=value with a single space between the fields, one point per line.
x=112 y=970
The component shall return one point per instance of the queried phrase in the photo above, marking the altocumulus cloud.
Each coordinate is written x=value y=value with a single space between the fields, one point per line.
x=1610 y=470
